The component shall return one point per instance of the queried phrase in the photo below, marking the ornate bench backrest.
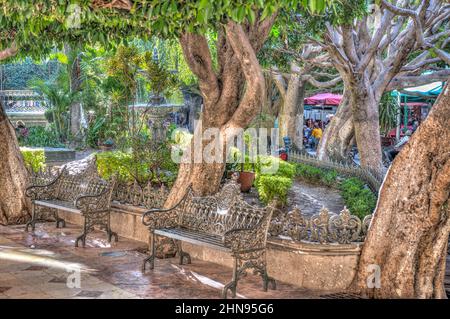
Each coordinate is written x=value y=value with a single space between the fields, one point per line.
x=219 y=213
x=70 y=187
x=242 y=215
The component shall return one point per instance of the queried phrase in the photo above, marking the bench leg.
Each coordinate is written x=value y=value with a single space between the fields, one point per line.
x=59 y=220
x=232 y=285
x=32 y=222
x=151 y=258
x=181 y=254
x=268 y=280
x=82 y=237
x=110 y=232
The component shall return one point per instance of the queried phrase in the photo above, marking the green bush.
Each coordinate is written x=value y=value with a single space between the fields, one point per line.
x=39 y=136
x=273 y=187
x=271 y=165
x=128 y=168
x=357 y=197
x=34 y=158
x=316 y=175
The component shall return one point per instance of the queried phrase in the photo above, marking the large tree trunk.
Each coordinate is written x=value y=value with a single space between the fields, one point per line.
x=338 y=135
x=14 y=206
x=75 y=108
x=408 y=236
x=288 y=112
x=231 y=99
x=367 y=125
x=298 y=130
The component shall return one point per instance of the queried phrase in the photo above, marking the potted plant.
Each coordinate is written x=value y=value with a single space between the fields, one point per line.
x=246 y=177
x=107 y=144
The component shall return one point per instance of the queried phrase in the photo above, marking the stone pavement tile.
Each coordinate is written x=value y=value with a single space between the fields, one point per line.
x=63 y=292
x=28 y=292
x=4 y=288
x=118 y=294
x=89 y=293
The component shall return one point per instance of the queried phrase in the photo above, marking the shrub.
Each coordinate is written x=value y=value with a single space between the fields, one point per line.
x=357 y=197
x=39 y=136
x=273 y=187
x=316 y=175
x=271 y=165
x=128 y=168
x=34 y=158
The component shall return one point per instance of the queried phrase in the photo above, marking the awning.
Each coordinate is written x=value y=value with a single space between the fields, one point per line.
x=324 y=99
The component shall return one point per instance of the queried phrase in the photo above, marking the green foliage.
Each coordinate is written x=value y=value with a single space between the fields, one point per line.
x=274 y=178
x=357 y=197
x=34 y=158
x=316 y=175
x=37 y=25
x=388 y=112
x=39 y=136
x=96 y=131
x=159 y=78
x=272 y=187
x=129 y=167
x=58 y=94
x=16 y=76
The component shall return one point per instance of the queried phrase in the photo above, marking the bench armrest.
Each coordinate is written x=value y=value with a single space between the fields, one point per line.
x=94 y=203
x=157 y=218
x=241 y=240
x=39 y=192
x=47 y=191
x=245 y=239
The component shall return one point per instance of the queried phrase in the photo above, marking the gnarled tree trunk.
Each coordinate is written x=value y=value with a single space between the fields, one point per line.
x=364 y=107
x=408 y=236
x=338 y=135
x=231 y=98
x=14 y=206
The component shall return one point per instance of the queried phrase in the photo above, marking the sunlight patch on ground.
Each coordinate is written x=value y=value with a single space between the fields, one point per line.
x=39 y=257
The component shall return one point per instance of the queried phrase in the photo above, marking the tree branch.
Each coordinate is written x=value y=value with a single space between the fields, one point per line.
x=400 y=82
x=198 y=57
x=320 y=84
x=9 y=52
x=255 y=89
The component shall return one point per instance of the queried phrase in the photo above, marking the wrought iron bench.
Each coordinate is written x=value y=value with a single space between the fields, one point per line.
x=224 y=222
x=84 y=194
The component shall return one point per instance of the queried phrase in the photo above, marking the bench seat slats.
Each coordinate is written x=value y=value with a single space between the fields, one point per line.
x=60 y=204
x=193 y=237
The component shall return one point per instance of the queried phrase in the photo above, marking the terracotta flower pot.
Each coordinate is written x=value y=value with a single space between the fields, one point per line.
x=246 y=180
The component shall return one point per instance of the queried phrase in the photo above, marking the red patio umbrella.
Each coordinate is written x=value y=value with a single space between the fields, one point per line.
x=324 y=99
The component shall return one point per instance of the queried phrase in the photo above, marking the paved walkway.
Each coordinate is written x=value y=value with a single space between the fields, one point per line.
x=45 y=264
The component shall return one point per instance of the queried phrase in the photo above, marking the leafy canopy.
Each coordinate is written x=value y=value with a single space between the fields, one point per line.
x=37 y=26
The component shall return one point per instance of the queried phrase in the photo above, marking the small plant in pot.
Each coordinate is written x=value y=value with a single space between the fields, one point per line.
x=247 y=173
x=107 y=144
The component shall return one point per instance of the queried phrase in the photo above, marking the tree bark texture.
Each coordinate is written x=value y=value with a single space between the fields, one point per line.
x=232 y=97
x=338 y=135
x=408 y=236
x=14 y=206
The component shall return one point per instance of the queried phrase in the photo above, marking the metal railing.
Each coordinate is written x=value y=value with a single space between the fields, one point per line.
x=22 y=101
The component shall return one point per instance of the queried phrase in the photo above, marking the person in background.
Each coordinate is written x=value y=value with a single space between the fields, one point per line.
x=21 y=131
x=398 y=147
x=316 y=135
x=306 y=135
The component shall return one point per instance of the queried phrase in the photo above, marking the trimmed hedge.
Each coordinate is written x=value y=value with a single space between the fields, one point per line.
x=357 y=197
x=34 y=159
x=128 y=169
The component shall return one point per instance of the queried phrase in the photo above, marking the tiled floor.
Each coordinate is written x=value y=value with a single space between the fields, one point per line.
x=45 y=264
